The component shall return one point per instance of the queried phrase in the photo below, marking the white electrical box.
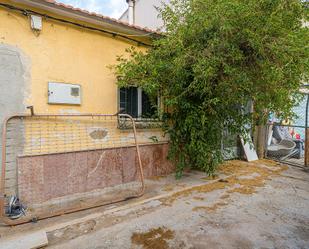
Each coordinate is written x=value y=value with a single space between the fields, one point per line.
x=36 y=22
x=62 y=93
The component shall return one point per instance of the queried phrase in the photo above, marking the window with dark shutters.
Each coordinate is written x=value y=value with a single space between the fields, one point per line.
x=129 y=103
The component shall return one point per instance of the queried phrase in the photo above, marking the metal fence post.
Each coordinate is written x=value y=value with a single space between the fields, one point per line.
x=307 y=135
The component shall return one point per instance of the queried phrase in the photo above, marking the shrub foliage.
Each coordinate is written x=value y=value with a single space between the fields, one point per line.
x=215 y=57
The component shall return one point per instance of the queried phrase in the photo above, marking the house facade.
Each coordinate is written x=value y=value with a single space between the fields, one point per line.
x=56 y=58
x=144 y=13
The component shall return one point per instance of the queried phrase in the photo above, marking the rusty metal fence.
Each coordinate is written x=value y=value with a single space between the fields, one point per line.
x=62 y=163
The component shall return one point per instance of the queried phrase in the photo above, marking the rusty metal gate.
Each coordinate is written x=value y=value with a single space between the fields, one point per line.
x=62 y=163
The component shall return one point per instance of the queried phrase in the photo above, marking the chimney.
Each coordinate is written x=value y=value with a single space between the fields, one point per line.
x=131 y=11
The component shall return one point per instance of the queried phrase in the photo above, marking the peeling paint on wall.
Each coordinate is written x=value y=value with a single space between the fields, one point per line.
x=15 y=80
x=98 y=133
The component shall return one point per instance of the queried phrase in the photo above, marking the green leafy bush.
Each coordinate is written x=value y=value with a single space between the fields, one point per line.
x=215 y=57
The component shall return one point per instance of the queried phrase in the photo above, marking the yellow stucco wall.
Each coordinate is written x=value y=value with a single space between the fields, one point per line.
x=68 y=54
x=63 y=53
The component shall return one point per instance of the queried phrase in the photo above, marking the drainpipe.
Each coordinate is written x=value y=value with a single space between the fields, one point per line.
x=131 y=11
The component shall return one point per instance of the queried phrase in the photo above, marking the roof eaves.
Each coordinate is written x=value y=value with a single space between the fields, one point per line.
x=94 y=15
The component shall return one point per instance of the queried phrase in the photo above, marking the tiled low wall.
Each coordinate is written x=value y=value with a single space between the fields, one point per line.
x=43 y=178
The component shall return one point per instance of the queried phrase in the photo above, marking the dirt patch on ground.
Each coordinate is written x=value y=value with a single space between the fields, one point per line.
x=200 y=189
x=197 y=198
x=225 y=196
x=154 y=239
x=169 y=188
x=209 y=178
x=211 y=208
x=236 y=180
x=246 y=178
x=156 y=178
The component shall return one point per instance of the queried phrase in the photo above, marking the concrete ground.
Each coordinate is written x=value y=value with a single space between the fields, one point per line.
x=249 y=205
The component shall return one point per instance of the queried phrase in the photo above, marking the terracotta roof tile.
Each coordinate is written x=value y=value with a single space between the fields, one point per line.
x=93 y=14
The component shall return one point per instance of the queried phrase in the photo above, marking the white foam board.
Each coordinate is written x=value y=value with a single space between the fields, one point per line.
x=249 y=150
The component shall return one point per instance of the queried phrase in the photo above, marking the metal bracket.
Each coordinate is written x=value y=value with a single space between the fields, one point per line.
x=31 y=108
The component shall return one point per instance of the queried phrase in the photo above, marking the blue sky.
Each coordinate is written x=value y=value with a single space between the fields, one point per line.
x=112 y=8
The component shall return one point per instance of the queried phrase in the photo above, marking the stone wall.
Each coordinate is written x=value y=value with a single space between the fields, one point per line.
x=47 y=177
